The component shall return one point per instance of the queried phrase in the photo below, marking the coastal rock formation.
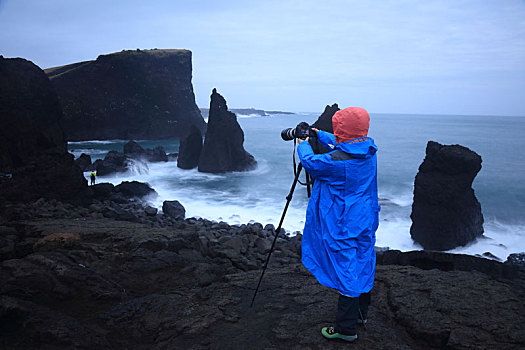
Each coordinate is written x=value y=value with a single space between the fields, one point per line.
x=173 y=209
x=324 y=122
x=134 y=155
x=190 y=149
x=134 y=150
x=132 y=189
x=114 y=162
x=142 y=94
x=445 y=211
x=112 y=276
x=83 y=161
x=33 y=148
x=223 y=149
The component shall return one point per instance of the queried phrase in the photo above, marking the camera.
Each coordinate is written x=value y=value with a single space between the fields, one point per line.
x=301 y=131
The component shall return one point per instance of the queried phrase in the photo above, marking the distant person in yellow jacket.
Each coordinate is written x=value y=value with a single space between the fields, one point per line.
x=93 y=176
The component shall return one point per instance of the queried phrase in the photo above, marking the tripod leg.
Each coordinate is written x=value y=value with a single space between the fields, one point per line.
x=288 y=200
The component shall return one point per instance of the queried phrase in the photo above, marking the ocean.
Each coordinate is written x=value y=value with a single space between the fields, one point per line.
x=260 y=195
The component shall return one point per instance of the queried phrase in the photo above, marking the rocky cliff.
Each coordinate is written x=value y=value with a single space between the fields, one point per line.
x=113 y=276
x=142 y=94
x=223 y=149
x=32 y=143
x=445 y=212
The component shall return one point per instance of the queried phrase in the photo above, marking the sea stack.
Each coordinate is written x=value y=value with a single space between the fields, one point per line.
x=33 y=147
x=190 y=149
x=223 y=149
x=445 y=212
x=324 y=122
x=133 y=94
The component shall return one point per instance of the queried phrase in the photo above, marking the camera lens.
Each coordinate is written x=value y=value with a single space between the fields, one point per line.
x=288 y=134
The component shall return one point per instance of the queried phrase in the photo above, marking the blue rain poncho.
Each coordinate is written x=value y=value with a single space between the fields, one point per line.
x=342 y=216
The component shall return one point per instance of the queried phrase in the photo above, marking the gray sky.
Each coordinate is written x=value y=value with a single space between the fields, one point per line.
x=403 y=56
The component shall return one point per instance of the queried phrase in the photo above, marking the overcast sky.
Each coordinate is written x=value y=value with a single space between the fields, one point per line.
x=403 y=56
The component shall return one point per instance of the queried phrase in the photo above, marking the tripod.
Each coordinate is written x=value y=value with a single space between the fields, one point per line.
x=288 y=199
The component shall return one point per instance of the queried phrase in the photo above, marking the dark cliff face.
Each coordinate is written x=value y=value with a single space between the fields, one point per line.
x=128 y=95
x=29 y=114
x=33 y=146
x=223 y=149
x=445 y=212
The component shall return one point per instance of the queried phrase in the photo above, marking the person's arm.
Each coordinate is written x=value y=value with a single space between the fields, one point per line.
x=326 y=139
x=320 y=166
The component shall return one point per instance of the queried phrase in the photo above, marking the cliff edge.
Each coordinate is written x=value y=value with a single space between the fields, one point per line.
x=142 y=94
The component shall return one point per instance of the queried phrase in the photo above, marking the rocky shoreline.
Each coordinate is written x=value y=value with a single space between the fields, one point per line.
x=110 y=275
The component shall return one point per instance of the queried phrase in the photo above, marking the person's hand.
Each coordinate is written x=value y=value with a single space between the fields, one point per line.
x=316 y=130
x=301 y=140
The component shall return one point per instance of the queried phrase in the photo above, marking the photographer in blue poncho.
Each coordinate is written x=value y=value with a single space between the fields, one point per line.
x=342 y=217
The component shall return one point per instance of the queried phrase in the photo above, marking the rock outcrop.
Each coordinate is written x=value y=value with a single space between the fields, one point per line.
x=324 y=122
x=223 y=149
x=445 y=211
x=134 y=155
x=114 y=277
x=135 y=151
x=190 y=149
x=33 y=147
x=142 y=94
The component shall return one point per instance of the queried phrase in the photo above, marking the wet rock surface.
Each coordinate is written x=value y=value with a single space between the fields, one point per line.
x=445 y=212
x=111 y=276
x=223 y=149
x=133 y=155
x=190 y=149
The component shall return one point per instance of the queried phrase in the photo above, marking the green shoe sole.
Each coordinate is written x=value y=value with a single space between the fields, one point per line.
x=330 y=333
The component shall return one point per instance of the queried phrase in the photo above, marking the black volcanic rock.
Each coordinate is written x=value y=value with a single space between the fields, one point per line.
x=223 y=149
x=30 y=114
x=190 y=149
x=130 y=189
x=114 y=162
x=32 y=144
x=128 y=95
x=324 y=122
x=84 y=161
x=445 y=211
x=135 y=151
x=133 y=148
x=173 y=209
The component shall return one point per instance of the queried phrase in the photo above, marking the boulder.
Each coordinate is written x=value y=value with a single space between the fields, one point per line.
x=102 y=191
x=134 y=189
x=83 y=162
x=173 y=209
x=223 y=149
x=133 y=148
x=114 y=162
x=517 y=259
x=150 y=211
x=139 y=94
x=445 y=212
x=157 y=154
x=135 y=151
x=190 y=149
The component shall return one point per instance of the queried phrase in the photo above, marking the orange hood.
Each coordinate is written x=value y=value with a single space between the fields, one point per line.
x=350 y=123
